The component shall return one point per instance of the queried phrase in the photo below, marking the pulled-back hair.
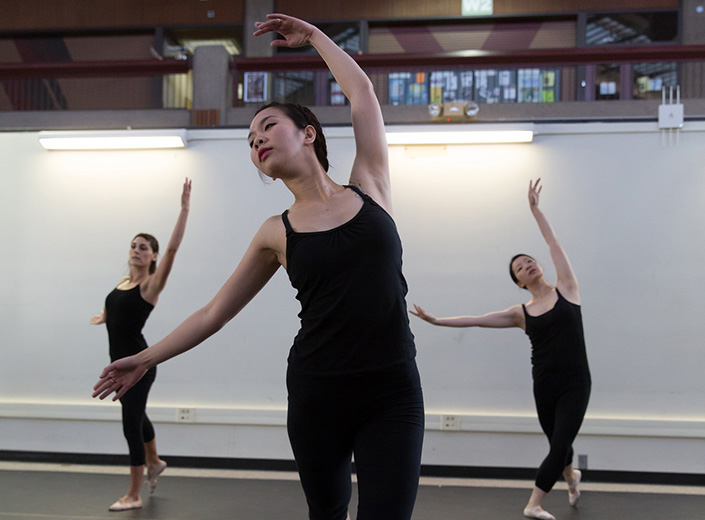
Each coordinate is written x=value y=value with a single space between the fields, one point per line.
x=154 y=244
x=511 y=271
x=302 y=117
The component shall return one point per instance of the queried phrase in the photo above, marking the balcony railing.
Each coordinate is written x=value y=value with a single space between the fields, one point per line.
x=538 y=75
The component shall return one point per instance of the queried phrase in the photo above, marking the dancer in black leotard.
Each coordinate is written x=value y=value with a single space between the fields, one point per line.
x=352 y=379
x=553 y=322
x=126 y=310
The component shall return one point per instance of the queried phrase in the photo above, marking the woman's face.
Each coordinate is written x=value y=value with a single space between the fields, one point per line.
x=141 y=253
x=272 y=140
x=526 y=270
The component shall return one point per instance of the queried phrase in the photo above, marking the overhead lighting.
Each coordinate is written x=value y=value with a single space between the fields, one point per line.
x=113 y=139
x=478 y=135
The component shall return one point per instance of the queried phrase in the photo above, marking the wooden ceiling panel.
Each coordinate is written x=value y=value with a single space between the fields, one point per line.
x=49 y=15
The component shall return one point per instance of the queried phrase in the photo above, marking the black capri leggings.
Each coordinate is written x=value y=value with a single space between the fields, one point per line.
x=377 y=417
x=561 y=408
x=136 y=426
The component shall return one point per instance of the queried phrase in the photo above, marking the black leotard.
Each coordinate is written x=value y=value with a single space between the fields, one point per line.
x=353 y=295
x=125 y=315
x=557 y=342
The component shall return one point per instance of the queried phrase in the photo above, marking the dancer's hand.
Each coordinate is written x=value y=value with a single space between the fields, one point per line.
x=421 y=313
x=297 y=33
x=119 y=377
x=98 y=319
x=186 y=195
x=534 y=190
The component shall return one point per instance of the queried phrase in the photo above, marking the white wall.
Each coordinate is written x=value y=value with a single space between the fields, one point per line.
x=628 y=210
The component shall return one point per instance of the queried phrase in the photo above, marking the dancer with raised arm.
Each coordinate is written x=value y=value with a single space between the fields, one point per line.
x=126 y=310
x=353 y=385
x=552 y=319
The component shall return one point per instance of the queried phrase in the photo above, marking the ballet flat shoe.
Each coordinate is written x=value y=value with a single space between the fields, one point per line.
x=538 y=513
x=574 y=492
x=153 y=476
x=125 y=506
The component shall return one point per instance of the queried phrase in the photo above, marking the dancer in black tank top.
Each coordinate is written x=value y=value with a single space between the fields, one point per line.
x=126 y=310
x=552 y=319
x=352 y=379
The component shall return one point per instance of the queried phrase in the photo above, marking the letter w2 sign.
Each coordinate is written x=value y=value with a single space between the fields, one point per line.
x=477 y=7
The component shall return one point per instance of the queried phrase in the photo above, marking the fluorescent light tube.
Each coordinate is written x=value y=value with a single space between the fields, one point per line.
x=113 y=139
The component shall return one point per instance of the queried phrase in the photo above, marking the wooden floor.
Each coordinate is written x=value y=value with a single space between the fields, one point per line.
x=30 y=491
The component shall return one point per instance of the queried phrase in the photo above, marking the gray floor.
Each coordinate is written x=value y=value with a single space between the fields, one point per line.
x=66 y=494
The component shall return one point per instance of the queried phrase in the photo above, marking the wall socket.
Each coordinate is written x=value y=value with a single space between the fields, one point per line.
x=582 y=462
x=185 y=415
x=450 y=422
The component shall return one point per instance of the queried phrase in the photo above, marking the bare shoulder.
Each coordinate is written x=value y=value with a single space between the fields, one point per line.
x=272 y=227
x=271 y=237
x=517 y=314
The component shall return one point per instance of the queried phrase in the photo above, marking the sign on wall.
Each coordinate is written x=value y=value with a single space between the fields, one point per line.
x=477 y=7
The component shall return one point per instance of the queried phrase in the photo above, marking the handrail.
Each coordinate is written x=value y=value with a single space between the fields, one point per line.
x=95 y=69
x=479 y=58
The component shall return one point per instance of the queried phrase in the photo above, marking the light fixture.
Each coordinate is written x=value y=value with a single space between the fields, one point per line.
x=477 y=134
x=113 y=139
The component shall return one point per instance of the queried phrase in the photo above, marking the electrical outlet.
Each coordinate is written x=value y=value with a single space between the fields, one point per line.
x=582 y=462
x=185 y=415
x=450 y=422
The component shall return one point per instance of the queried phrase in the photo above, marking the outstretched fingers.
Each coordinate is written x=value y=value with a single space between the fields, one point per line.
x=273 y=24
x=105 y=386
x=420 y=313
x=296 y=32
x=534 y=190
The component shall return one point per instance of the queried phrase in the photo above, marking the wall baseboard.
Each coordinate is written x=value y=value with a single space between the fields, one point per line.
x=505 y=473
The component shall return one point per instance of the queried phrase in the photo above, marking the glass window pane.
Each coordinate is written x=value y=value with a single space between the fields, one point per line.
x=649 y=78
x=631 y=28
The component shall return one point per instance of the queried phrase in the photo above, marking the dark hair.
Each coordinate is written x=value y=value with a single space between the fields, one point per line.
x=302 y=117
x=154 y=245
x=511 y=271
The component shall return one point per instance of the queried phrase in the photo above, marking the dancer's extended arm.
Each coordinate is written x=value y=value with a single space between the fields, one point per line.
x=511 y=317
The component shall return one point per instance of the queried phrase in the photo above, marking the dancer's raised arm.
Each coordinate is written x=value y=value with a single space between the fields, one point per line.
x=156 y=283
x=371 y=167
x=566 y=281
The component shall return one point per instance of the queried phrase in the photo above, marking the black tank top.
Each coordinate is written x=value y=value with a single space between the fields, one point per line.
x=558 y=343
x=352 y=292
x=125 y=315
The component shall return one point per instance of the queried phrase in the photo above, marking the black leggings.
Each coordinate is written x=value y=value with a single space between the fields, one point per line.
x=377 y=417
x=136 y=426
x=561 y=408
